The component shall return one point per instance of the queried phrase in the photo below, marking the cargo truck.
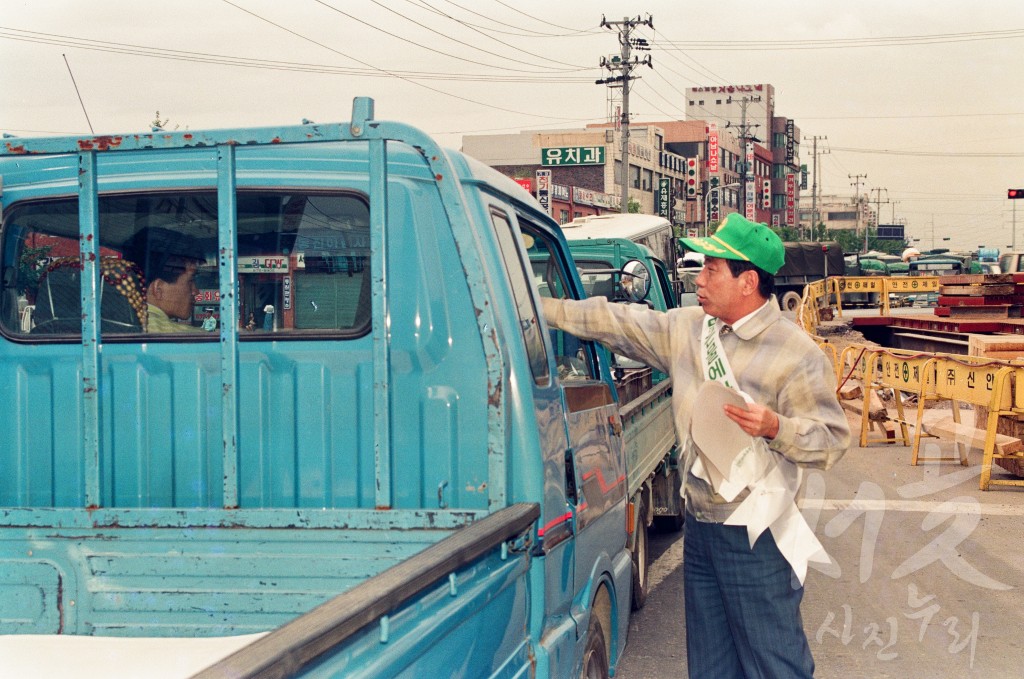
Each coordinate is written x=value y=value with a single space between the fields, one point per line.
x=405 y=473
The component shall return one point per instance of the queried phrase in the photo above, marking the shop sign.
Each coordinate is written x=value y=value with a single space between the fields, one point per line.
x=544 y=189
x=790 y=200
x=272 y=264
x=287 y=290
x=572 y=155
x=713 y=148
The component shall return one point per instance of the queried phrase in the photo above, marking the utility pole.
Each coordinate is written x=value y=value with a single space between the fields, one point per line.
x=747 y=176
x=878 y=202
x=814 y=186
x=624 y=65
x=856 y=204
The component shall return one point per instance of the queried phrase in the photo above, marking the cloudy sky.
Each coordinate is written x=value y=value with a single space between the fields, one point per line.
x=924 y=97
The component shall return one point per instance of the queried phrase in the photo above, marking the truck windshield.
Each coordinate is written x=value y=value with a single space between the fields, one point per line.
x=303 y=262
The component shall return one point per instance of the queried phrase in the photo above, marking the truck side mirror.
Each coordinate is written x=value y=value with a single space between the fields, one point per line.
x=635 y=280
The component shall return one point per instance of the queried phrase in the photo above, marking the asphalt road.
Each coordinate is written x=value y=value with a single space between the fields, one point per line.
x=927 y=581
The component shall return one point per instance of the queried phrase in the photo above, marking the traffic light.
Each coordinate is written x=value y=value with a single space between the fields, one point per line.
x=766 y=194
x=1013 y=194
x=691 y=178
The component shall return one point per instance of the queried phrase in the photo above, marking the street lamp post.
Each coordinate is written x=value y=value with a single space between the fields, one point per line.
x=707 y=210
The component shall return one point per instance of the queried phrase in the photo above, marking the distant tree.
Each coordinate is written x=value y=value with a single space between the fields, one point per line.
x=633 y=205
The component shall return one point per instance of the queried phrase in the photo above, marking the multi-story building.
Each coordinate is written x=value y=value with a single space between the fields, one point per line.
x=749 y=112
x=731 y=140
x=586 y=169
x=837 y=212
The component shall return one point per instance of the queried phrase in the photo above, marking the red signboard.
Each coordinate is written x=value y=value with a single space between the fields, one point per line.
x=790 y=200
x=713 y=148
x=526 y=183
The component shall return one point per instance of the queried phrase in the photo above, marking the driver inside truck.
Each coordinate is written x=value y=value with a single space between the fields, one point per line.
x=169 y=260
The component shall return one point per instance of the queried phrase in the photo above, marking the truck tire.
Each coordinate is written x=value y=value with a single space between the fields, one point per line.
x=641 y=561
x=790 y=301
x=595 y=656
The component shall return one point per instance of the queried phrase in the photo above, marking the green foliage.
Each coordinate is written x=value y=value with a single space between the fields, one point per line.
x=633 y=205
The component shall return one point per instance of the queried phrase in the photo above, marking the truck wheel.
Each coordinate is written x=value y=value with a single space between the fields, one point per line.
x=790 y=301
x=595 y=657
x=641 y=562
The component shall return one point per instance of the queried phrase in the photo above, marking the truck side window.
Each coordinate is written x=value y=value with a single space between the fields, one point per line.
x=528 y=322
x=597 y=282
x=303 y=266
x=574 y=357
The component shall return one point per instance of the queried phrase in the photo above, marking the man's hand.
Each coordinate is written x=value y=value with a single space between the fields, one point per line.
x=755 y=419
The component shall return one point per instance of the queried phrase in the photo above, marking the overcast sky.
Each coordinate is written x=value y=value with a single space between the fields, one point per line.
x=922 y=96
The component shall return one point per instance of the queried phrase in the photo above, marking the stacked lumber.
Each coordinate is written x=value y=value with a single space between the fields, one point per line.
x=980 y=295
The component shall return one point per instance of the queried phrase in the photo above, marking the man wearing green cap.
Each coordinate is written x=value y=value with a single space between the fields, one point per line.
x=746 y=546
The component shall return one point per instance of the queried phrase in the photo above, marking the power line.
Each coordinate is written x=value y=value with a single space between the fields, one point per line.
x=265 y=64
x=530 y=16
x=907 y=117
x=520 y=32
x=845 y=43
x=437 y=51
x=931 y=154
x=385 y=71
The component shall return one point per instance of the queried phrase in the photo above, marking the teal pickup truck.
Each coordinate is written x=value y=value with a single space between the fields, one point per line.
x=612 y=253
x=292 y=383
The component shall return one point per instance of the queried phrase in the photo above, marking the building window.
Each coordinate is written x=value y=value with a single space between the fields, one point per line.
x=563 y=216
x=648 y=180
x=634 y=176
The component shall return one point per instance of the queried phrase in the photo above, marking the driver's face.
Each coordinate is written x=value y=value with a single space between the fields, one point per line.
x=176 y=299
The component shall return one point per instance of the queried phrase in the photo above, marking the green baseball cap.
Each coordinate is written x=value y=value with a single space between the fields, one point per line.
x=740 y=238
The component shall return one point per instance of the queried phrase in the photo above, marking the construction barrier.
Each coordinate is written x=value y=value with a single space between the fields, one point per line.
x=994 y=452
x=978 y=383
x=883 y=286
x=993 y=384
x=906 y=373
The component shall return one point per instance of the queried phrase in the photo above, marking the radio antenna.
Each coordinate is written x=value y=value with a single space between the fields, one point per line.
x=82 y=103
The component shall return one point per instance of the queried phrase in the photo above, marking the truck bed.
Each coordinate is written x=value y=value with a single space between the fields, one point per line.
x=199 y=577
x=649 y=432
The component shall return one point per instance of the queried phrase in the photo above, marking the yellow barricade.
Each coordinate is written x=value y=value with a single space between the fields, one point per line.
x=904 y=372
x=833 y=356
x=990 y=454
x=853 y=362
x=965 y=380
x=907 y=285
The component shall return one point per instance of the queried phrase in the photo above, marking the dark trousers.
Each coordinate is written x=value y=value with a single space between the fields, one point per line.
x=742 y=607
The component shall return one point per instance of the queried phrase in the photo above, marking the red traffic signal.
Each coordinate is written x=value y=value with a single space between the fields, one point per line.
x=1014 y=193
